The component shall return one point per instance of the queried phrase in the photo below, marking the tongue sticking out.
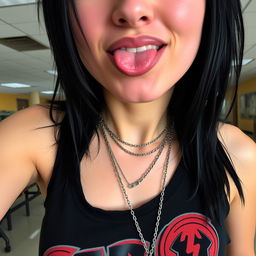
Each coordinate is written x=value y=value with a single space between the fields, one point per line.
x=128 y=61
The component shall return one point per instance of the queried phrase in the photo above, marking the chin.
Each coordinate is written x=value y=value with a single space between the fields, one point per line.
x=141 y=98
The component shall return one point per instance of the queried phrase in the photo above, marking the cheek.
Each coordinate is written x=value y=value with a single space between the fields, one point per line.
x=92 y=17
x=184 y=16
x=185 y=19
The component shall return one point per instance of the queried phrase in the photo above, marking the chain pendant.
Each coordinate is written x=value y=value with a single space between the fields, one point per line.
x=149 y=252
x=134 y=184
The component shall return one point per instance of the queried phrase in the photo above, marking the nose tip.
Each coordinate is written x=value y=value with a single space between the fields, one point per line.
x=132 y=13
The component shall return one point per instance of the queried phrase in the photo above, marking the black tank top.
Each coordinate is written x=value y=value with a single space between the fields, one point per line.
x=71 y=226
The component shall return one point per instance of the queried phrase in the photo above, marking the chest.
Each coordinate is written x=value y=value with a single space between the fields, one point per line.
x=102 y=188
x=82 y=227
x=99 y=181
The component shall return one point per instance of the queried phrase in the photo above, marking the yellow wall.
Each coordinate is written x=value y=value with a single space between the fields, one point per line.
x=43 y=100
x=245 y=87
x=8 y=101
x=234 y=117
x=233 y=114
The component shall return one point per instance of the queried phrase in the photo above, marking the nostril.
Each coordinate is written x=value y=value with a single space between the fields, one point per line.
x=122 y=20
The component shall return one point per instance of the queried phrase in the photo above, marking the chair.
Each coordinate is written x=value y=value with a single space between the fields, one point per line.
x=28 y=196
x=6 y=239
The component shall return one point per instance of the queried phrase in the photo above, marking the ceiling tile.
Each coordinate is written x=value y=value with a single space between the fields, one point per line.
x=19 y=14
x=31 y=28
x=244 y=3
x=41 y=38
x=2 y=22
x=251 y=53
x=251 y=7
x=9 y=31
x=250 y=36
x=250 y=19
x=15 y=2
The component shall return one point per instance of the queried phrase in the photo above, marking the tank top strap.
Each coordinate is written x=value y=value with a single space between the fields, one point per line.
x=63 y=171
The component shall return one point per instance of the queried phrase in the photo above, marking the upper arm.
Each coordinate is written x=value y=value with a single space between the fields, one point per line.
x=241 y=220
x=17 y=168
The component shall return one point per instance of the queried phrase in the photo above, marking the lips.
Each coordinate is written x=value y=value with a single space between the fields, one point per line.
x=129 y=42
x=140 y=61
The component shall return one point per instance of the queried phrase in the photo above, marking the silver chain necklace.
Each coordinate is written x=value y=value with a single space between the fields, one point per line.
x=114 y=136
x=116 y=139
x=112 y=157
x=143 y=176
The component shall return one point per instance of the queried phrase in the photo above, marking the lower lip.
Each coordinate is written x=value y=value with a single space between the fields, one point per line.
x=142 y=70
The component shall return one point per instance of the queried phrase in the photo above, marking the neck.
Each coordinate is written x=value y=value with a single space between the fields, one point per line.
x=136 y=123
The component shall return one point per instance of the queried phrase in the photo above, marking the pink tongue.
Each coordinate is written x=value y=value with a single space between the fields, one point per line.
x=131 y=61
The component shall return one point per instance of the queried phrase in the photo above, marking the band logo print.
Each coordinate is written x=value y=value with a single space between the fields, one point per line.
x=189 y=234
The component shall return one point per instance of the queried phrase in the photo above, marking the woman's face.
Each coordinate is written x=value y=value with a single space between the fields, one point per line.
x=139 y=76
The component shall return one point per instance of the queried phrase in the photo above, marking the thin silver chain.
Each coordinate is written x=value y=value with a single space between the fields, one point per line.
x=143 y=176
x=151 y=251
x=130 y=152
x=113 y=135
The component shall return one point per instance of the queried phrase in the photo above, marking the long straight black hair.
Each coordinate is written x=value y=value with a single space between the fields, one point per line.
x=195 y=105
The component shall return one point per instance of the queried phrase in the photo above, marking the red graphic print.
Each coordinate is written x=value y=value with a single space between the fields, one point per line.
x=191 y=234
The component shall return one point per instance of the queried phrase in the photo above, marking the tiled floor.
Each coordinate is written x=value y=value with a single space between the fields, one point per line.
x=24 y=237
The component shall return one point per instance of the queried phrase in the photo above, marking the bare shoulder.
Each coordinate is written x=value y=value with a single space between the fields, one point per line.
x=241 y=220
x=25 y=122
x=241 y=149
x=42 y=138
x=28 y=118
x=26 y=153
x=238 y=144
x=25 y=130
x=20 y=125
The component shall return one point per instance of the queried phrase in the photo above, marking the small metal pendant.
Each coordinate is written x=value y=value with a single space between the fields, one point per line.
x=134 y=184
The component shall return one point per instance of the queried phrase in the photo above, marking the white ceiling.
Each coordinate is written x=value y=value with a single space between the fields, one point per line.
x=30 y=67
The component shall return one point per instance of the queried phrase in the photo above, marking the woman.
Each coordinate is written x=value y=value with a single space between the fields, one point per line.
x=135 y=161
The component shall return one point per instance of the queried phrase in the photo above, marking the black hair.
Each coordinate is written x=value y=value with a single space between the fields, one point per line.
x=195 y=105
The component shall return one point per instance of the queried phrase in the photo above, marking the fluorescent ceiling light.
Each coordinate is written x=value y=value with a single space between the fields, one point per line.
x=47 y=92
x=244 y=62
x=15 y=85
x=52 y=72
x=15 y=2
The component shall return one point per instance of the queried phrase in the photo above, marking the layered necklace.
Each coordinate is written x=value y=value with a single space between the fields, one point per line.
x=118 y=141
x=169 y=136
